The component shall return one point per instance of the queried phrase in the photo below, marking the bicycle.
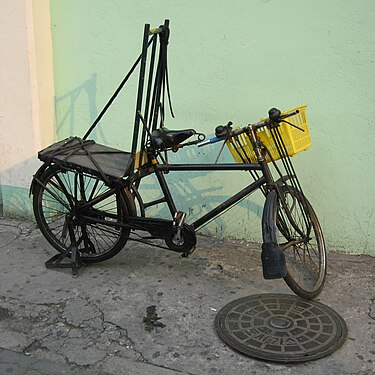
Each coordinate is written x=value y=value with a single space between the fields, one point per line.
x=86 y=197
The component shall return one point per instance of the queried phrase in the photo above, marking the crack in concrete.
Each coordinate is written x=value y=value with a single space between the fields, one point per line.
x=39 y=323
x=123 y=338
x=59 y=328
x=371 y=309
x=13 y=239
x=130 y=344
x=169 y=368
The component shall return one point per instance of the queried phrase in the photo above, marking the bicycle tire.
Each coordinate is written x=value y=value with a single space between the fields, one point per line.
x=289 y=217
x=57 y=195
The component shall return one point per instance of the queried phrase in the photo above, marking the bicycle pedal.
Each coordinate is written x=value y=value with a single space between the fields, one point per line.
x=273 y=261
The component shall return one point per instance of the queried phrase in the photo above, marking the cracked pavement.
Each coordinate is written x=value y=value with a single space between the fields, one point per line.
x=150 y=311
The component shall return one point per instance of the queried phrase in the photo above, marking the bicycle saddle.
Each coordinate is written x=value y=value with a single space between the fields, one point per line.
x=165 y=138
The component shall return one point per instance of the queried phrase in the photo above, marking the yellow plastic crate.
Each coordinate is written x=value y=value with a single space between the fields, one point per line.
x=294 y=139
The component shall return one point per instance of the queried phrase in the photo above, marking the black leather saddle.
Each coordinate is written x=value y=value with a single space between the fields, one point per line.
x=164 y=138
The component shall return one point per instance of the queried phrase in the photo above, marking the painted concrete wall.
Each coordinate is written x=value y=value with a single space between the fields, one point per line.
x=26 y=98
x=228 y=61
x=233 y=61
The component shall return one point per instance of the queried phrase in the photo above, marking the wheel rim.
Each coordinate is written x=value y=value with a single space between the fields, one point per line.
x=299 y=233
x=59 y=205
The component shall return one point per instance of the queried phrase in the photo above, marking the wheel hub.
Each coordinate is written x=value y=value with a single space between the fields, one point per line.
x=183 y=241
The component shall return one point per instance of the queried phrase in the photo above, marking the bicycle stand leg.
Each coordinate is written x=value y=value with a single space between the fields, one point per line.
x=75 y=262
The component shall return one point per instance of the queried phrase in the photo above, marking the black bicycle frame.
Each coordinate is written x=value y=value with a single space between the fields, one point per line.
x=152 y=83
x=160 y=169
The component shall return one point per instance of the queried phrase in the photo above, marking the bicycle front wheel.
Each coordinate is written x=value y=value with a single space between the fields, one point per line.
x=290 y=221
x=58 y=201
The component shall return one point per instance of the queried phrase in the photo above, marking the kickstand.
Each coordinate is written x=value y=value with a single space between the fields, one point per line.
x=75 y=262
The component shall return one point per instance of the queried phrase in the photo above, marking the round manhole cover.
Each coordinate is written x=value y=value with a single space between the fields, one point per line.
x=280 y=328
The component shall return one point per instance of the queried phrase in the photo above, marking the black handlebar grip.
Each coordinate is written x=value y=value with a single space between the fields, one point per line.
x=223 y=131
x=274 y=114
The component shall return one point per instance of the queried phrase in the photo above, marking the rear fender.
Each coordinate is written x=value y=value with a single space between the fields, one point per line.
x=36 y=176
x=129 y=201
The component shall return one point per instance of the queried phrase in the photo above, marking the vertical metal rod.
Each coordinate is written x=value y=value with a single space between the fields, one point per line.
x=246 y=160
x=260 y=157
x=140 y=89
x=148 y=95
x=167 y=194
x=156 y=93
x=291 y=172
x=161 y=73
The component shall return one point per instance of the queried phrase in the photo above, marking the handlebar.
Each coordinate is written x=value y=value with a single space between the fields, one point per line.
x=275 y=117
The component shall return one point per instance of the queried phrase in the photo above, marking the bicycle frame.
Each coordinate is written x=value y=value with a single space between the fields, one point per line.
x=160 y=168
x=86 y=199
x=158 y=227
x=153 y=84
x=152 y=110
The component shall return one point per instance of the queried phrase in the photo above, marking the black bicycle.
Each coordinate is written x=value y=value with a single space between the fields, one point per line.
x=87 y=200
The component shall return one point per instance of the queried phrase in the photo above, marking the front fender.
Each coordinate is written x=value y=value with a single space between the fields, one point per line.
x=268 y=230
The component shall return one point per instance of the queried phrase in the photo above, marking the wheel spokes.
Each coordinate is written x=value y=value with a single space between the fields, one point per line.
x=63 y=194
x=297 y=235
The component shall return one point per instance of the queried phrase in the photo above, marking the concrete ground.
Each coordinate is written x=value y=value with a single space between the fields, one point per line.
x=52 y=323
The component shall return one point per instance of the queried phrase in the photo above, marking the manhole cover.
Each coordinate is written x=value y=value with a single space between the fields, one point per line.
x=280 y=328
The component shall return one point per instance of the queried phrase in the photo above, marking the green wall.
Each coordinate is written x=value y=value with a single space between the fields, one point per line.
x=233 y=60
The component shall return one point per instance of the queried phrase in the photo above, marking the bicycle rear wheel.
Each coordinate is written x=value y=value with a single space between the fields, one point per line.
x=290 y=221
x=57 y=203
